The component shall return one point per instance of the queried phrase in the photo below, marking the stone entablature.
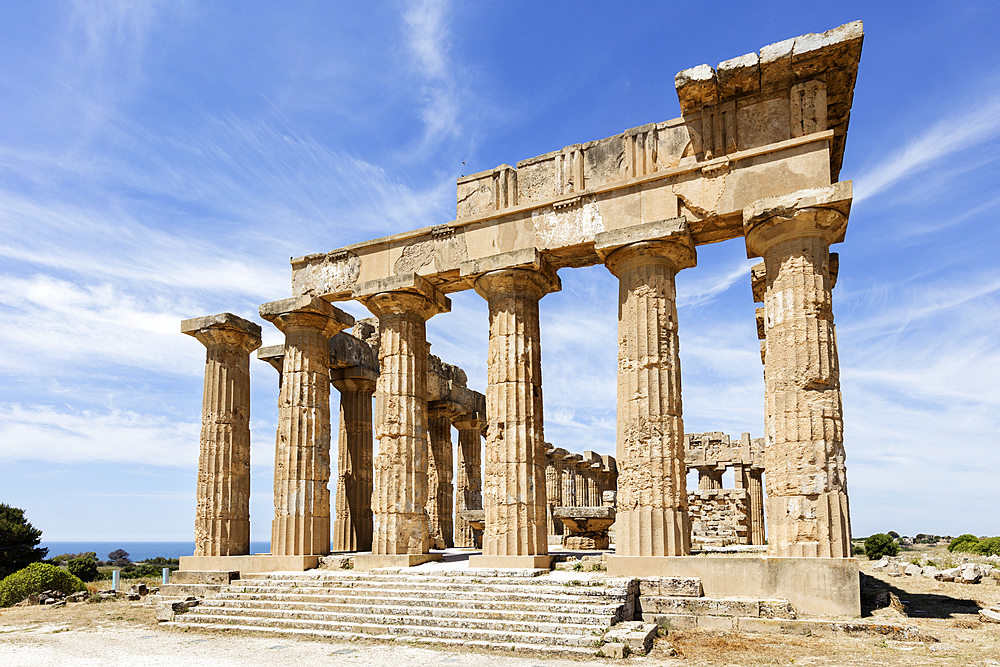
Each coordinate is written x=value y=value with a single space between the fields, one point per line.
x=757 y=126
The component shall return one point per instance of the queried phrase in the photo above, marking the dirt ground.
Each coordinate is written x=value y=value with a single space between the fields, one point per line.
x=126 y=633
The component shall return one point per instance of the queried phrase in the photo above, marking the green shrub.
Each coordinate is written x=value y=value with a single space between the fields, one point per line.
x=965 y=542
x=36 y=578
x=879 y=545
x=84 y=568
x=989 y=546
x=857 y=549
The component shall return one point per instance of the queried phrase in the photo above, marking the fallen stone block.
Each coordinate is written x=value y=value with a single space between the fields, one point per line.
x=636 y=635
x=912 y=570
x=614 y=650
x=989 y=616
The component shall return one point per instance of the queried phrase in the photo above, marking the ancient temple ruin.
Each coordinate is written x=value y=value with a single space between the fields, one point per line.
x=754 y=158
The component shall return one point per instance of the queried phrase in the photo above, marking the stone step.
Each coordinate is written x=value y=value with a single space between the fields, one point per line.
x=457 y=642
x=185 y=590
x=554 y=595
x=427 y=616
x=538 y=611
x=725 y=607
x=402 y=626
x=549 y=586
x=362 y=578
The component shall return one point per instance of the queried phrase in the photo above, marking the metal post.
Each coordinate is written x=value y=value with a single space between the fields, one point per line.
x=115 y=574
x=166 y=576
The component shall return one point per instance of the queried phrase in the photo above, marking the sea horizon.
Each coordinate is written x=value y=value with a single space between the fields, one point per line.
x=137 y=550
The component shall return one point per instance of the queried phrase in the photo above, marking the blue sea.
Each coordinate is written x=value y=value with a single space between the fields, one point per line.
x=137 y=551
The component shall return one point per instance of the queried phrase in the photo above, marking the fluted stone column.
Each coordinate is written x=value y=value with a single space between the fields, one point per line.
x=582 y=484
x=652 y=494
x=222 y=516
x=400 y=495
x=554 y=487
x=469 y=477
x=807 y=504
x=755 y=491
x=352 y=525
x=440 y=470
x=514 y=494
x=709 y=478
x=301 y=524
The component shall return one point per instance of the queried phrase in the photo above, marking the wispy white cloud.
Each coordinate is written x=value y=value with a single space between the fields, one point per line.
x=43 y=433
x=428 y=37
x=945 y=138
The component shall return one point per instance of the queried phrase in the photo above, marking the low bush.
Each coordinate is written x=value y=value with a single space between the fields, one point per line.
x=967 y=543
x=85 y=568
x=989 y=546
x=879 y=545
x=36 y=578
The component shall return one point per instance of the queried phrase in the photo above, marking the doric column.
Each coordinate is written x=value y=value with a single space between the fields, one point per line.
x=554 y=487
x=352 y=525
x=469 y=478
x=301 y=524
x=807 y=505
x=514 y=494
x=582 y=484
x=593 y=485
x=652 y=487
x=755 y=491
x=709 y=478
x=400 y=496
x=440 y=470
x=222 y=516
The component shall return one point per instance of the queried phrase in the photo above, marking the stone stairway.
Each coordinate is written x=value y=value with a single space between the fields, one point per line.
x=677 y=603
x=480 y=608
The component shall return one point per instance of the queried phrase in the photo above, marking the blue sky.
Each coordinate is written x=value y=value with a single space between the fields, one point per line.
x=163 y=160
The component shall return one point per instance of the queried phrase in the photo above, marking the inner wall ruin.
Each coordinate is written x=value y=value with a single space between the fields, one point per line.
x=755 y=155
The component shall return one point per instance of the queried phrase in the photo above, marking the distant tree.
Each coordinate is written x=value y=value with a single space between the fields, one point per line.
x=119 y=558
x=18 y=541
x=893 y=534
x=965 y=542
x=989 y=546
x=83 y=568
x=879 y=545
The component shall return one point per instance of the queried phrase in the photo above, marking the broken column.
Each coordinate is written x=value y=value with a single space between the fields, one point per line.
x=807 y=503
x=514 y=475
x=403 y=305
x=301 y=524
x=652 y=486
x=469 y=479
x=222 y=516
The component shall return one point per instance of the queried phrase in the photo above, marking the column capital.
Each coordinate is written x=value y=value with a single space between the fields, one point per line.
x=405 y=293
x=224 y=329
x=273 y=355
x=354 y=378
x=663 y=241
x=306 y=311
x=818 y=212
x=403 y=303
x=530 y=282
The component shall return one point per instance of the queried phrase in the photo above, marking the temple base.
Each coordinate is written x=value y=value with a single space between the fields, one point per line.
x=510 y=562
x=250 y=563
x=365 y=562
x=815 y=586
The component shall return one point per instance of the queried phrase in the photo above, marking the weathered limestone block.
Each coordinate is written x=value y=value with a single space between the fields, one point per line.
x=652 y=493
x=719 y=517
x=807 y=504
x=440 y=470
x=514 y=470
x=586 y=527
x=400 y=494
x=352 y=526
x=469 y=480
x=222 y=517
x=301 y=524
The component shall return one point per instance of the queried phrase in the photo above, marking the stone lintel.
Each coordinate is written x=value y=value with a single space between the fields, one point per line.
x=404 y=282
x=812 y=212
x=511 y=562
x=275 y=310
x=365 y=562
x=347 y=351
x=223 y=321
x=584 y=512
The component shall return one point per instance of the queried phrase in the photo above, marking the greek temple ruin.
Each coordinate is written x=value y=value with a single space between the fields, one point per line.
x=755 y=159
